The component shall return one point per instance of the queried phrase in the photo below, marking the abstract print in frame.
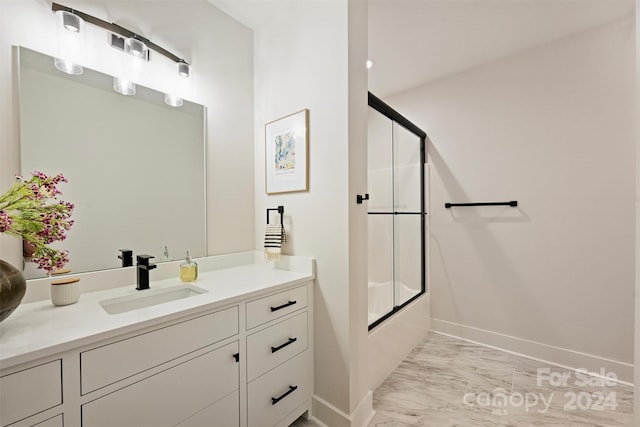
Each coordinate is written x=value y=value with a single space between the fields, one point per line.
x=286 y=153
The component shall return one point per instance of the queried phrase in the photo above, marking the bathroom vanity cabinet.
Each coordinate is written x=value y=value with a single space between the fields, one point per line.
x=244 y=364
x=176 y=375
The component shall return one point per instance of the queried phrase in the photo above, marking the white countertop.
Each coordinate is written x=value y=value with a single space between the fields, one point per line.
x=40 y=329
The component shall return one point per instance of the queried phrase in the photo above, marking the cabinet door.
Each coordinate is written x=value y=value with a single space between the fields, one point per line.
x=30 y=391
x=51 y=422
x=170 y=397
x=224 y=413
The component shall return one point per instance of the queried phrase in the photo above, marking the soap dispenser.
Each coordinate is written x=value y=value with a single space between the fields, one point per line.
x=188 y=269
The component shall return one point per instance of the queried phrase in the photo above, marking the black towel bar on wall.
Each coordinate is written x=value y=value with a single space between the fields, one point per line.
x=513 y=204
x=280 y=210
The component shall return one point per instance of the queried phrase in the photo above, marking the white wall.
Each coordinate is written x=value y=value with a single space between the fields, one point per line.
x=636 y=401
x=361 y=398
x=305 y=56
x=220 y=50
x=552 y=127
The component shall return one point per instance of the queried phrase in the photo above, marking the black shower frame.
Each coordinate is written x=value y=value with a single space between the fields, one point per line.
x=384 y=109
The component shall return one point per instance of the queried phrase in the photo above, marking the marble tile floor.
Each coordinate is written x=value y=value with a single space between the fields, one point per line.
x=447 y=382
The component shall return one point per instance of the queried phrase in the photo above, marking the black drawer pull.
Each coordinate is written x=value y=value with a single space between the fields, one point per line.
x=283 y=306
x=275 y=400
x=281 y=346
x=237 y=357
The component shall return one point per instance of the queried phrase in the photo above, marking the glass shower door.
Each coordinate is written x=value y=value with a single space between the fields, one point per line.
x=407 y=248
x=380 y=227
x=395 y=215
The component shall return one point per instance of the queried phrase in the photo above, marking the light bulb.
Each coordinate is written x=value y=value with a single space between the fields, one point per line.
x=172 y=100
x=136 y=48
x=183 y=69
x=67 y=66
x=71 y=22
x=71 y=43
x=124 y=86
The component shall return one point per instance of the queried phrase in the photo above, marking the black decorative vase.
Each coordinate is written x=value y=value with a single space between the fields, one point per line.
x=12 y=289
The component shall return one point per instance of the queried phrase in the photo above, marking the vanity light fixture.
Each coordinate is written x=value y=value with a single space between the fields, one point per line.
x=124 y=86
x=370 y=63
x=136 y=47
x=71 y=21
x=173 y=100
x=70 y=41
x=122 y=37
x=67 y=66
x=183 y=69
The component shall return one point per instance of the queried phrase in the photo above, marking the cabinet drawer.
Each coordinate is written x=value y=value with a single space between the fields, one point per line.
x=276 y=344
x=30 y=391
x=170 y=397
x=274 y=306
x=136 y=354
x=274 y=395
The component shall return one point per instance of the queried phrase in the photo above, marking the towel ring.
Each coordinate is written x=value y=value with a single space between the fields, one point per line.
x=280 y=210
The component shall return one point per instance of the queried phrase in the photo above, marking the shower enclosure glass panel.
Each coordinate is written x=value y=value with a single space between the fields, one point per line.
x=395 y=156
x=379 y=152
x=406 y=256
x=406 y=170
x=380 y=227
x=407 y=220
x=381 y=293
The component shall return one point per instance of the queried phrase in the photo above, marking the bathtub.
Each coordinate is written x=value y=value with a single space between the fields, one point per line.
x=381 y=299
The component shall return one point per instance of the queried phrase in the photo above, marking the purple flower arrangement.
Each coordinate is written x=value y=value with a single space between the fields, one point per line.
x=31 y=210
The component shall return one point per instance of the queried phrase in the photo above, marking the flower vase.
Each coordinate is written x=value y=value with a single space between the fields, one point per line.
x=12 y=289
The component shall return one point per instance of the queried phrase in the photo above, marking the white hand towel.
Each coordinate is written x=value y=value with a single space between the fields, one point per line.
x=273 y=242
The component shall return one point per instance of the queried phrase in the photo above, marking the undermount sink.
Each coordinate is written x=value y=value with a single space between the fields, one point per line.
x=149 y=298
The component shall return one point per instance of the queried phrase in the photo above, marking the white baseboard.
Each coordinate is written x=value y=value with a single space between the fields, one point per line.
x=326 y=414
x=557 y=356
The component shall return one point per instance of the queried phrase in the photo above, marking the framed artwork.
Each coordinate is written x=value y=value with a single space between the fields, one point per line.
x=287 y=154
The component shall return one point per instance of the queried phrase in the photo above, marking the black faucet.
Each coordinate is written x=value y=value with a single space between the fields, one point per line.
x=126 y=256
x=143 y=266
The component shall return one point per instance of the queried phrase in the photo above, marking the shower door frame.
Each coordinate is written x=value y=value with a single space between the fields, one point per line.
x=384 y=109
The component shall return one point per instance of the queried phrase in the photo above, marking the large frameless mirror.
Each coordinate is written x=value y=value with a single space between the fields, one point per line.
x=135 y=165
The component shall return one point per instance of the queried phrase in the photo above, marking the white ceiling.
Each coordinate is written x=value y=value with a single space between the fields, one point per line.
x=417 y=41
